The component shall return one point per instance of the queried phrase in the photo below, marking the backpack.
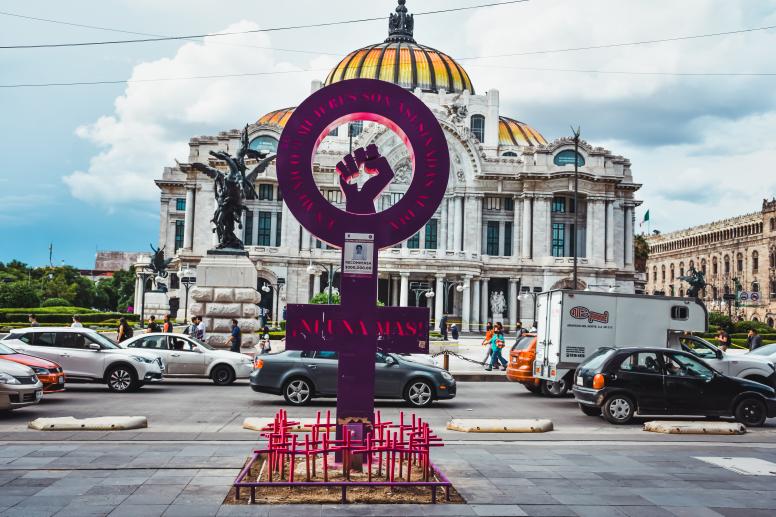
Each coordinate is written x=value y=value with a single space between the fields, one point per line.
x=128 y=332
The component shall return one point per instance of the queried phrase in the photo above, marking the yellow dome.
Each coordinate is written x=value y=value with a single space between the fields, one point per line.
x=401 y=60
x=514 y=132
x=276 y=118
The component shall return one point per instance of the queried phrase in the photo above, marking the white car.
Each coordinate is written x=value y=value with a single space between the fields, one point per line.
x=766 y=352
x=186 y=356
x=86 y=355
x=758 y=368
x=19 y=386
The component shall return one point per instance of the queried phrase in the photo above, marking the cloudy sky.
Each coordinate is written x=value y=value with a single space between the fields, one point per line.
x=79 y=161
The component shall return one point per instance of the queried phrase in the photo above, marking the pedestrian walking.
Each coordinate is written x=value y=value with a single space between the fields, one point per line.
x=754 y=340
x=33 y=320
x=723 y=338
x=167 y=325
x=519 y=330
x=124 y=331
x=497 y=344
x=454 y=331
x=443 y=327
x=153 y=326
x=486 y=342
x=200 y=328
x=76 y=323
x=236 y=338
x=533 y=328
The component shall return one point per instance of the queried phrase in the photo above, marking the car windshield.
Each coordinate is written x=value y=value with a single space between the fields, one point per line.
x=765 y=350
x=4 y=350
x=102 y=340
x=523 y=343
x=597 y=359
x=699 y=347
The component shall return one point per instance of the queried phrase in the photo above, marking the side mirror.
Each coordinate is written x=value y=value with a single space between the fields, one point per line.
x=95 y=347
x=389 y=360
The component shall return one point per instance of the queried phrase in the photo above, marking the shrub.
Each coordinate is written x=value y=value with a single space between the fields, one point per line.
x=55 y=302
x=719 y=319
x=746 y=326
x=67 y=318
x=18 y=294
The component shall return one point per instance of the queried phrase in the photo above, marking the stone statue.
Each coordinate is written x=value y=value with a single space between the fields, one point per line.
x=696 y=280
x=497 y=302
x=158 y=263
x=233 y=188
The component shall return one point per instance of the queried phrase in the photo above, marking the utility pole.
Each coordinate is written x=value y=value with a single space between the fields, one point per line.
x=575 y=238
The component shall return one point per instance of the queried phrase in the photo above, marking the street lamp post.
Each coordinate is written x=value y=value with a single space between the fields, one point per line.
x=144 y=276
x=187 y=279
x=576 y=201
x=267 y=287
x=330 y=270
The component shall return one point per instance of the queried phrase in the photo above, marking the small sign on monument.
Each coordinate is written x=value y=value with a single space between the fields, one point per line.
x=357 y=255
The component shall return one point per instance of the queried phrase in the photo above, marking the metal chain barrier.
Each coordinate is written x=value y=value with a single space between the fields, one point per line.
x=459 y=356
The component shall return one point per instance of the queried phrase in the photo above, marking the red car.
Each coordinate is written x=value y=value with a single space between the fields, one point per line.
x=49 y=373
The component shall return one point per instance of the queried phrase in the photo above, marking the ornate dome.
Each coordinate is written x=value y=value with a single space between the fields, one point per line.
x=276 y=118
x=514 y=132
x=401 y=60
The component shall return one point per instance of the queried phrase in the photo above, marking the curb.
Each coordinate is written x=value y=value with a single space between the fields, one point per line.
x=498 y=425
x=694 y=427
x=478 y=377
x=103 y=423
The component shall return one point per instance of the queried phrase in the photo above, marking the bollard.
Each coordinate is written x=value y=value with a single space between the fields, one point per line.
x=446 y=361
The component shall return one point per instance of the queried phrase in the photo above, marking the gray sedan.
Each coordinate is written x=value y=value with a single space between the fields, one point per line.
x=300 y=376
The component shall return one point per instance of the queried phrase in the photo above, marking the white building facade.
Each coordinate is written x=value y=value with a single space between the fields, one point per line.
x=506 y=225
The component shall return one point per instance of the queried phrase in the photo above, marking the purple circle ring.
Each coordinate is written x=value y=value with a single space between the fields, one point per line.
x=373 y=100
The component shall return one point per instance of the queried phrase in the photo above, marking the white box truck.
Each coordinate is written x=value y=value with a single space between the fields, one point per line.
x=573 y=324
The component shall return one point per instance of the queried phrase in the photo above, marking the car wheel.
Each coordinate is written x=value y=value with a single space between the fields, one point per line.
x=618 y=409
x=590 y=410
x=555 y=389
x=297 y=392
x=419 y=393
x=122 y=379
x=222 y=375
x=751 y=412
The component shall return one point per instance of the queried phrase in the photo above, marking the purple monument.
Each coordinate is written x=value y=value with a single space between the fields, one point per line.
x=357 y=328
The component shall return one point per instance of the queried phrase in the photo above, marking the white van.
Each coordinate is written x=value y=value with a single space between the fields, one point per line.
x=571 y=325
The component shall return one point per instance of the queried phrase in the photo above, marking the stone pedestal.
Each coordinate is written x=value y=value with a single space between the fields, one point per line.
x=226 y=289
x=157 y=304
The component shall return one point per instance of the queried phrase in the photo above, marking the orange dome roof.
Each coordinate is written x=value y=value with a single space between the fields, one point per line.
x=514 y=132
x=276 y=118
x=403 y=61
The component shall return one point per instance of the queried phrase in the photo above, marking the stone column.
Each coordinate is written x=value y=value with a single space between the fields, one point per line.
x=512 y=301
x=475 y=312
x=629 y=237
x=305 y=240
x=442 y=245
x=276 y=305
x=439 y=299
x=542 y=227
x=610 y=231
x=516 y=227
x=478 y=224
x=458 y=226
x=527 y=228
x=484 y=234
x=590 y=241
x=465 y=306
x=188 y=221
x=501 y=238
x=599 y=228
x=405 y=289
x=317 y=283
x=450 y=221
x=394 y=291
x=273 y=227
x=484 y=298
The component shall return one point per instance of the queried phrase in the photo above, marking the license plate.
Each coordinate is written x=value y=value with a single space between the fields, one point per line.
x=38 y=395
x=61 y=379
x=580 y=382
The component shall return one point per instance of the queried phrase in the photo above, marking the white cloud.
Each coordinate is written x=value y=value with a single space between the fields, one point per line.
x=153 y=121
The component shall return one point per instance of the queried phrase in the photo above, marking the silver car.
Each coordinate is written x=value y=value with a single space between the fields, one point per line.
x=189 y=357
x=19 y=386
x=300 y=376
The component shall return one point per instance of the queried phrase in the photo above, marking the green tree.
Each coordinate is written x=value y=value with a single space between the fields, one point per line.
x=18 y=294
x=640 y=253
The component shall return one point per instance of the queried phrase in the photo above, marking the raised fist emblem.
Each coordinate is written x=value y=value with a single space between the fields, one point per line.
x=362 y=201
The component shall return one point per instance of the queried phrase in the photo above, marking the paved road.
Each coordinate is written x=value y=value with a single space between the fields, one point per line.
x=197 y=409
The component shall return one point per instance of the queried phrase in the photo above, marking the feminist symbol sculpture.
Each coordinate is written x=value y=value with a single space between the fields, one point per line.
x=357 y=328
x=233 y=188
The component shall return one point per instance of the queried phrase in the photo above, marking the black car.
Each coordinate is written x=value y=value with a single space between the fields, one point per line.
x=656 y=381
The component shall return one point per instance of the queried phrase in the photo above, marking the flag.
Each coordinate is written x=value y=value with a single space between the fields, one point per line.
x=645 y=218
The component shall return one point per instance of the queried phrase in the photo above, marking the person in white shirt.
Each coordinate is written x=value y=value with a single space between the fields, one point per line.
x=201 y=329
x=76 y=322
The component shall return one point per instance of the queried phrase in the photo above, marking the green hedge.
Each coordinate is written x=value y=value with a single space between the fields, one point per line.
x=55 y=302
x=66 y=319
x=48 y=310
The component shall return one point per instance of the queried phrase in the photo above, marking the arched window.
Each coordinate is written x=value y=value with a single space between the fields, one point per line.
x=739 y=262
x=654 y=273
x=714 y=266
x=692 y=264
x=681 y=269
x=773 y=223
x=681 y=293
x=566 y=157
x=755 y=261
x=715 y=292
x=478 y=127
x=672 y=272
x=755 y=287
x=726 y=269
x=770 y=322
x=726 y=289
x=772 y=258
x=703 y=266
x=264 y=143
x=510 y=154
x=663 y=273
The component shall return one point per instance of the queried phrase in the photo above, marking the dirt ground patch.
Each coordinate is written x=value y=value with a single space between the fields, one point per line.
x=328 y=495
